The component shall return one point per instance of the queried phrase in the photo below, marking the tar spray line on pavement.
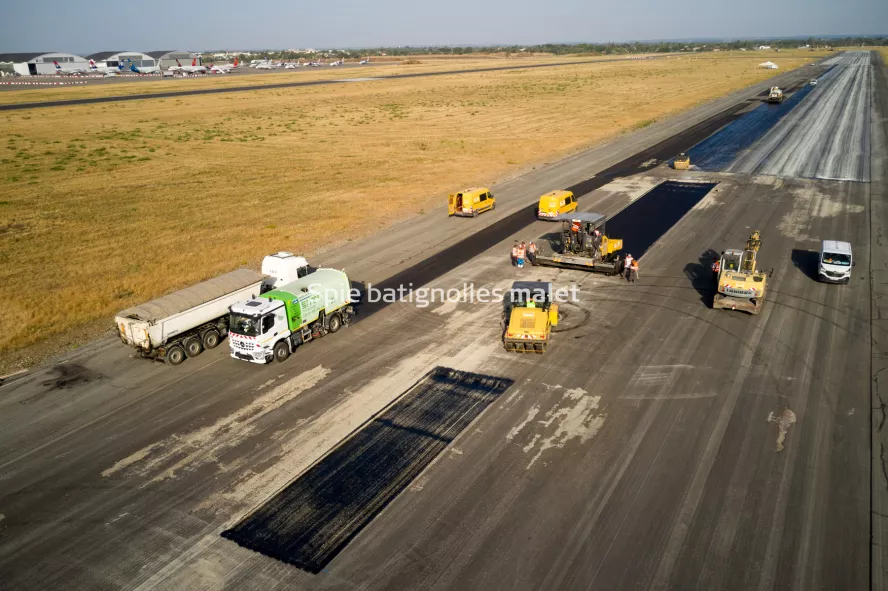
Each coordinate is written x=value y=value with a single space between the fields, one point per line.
x=308 y=523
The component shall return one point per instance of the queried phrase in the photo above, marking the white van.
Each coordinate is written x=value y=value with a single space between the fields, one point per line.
x=835 y=262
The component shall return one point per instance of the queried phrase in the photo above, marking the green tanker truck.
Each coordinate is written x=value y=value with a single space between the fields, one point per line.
x=273 y=325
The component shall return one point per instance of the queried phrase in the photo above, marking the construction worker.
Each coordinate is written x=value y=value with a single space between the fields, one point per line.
x=576 y=235
x=515 y=254
x=716 y=269
x=633 y=271
x=531 y=253
x=626 y=264
x=520 y=258
x=596 y=242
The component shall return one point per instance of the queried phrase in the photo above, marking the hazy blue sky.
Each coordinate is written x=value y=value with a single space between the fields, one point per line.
x=86 y=26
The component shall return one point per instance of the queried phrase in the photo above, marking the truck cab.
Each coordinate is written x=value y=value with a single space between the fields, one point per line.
x=283 y=268
x=255 y=327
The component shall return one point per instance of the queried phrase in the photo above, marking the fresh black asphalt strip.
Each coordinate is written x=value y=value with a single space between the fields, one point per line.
x=650 y=216
x=311 y=520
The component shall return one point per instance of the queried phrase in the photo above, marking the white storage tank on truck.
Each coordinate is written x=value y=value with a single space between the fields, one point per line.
x=186 y=322
x=273 y=325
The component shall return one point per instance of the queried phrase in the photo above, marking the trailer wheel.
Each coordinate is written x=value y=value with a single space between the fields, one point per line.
x=281 y=351
x=175 y=355
x=334 y=323
x=211 y=339
x=193 y=347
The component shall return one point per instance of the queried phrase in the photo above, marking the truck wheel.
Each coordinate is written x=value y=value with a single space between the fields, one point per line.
x=175 y=355
x=211 y=339
x=334 y=323
x=281 y=351
x=193 y=347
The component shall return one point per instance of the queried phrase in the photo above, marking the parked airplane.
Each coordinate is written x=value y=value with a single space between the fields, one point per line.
x=264 y=66
x=337 y=63
x=192 y=69
x=144 y=70
x=107 y=71
x=224 y=68
x=364 y=62
x=68 y=72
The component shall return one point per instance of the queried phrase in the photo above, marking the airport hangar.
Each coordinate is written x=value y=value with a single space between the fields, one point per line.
x=162 y=59
x=37 y=63
x=41 y=63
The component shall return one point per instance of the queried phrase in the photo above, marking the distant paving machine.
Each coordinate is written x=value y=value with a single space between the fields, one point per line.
x=582 y=248
x=740 y=285
x=531 y=314
x=775 y=95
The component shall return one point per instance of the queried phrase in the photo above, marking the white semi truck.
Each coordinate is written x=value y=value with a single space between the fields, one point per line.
x=184 y=323
x=271 y=326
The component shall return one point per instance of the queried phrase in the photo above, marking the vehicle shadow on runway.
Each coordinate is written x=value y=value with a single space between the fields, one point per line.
x=806 y=261
x=700 y=275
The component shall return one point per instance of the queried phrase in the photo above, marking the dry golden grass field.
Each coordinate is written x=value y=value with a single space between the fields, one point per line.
x=105 y=206
x=385 y=66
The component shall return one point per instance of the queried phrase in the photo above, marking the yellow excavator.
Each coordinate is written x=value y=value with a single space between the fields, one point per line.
x=531 y=314
x=740 y=284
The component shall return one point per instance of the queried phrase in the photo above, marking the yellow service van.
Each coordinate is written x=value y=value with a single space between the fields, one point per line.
x=554 y=203
x=470 y=202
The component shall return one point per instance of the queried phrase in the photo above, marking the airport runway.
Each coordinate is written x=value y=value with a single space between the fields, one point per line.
x=174 y=93
x=640 y=452
x=820 y=132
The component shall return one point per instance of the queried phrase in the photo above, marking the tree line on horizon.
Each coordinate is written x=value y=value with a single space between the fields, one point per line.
x=627 y=48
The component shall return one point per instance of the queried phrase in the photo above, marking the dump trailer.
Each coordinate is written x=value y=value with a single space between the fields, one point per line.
x=530 y=314
x=271 y=326
x=581 y=248
x=184 y=323
x=775 y=95
x=740 y=285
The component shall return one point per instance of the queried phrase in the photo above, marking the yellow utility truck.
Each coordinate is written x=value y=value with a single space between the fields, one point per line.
x=471 y=202
x=585 y=245
x=530 y=314
x=740 y=284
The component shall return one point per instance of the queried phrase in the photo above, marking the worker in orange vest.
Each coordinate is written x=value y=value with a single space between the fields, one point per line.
x=515 y=254
x=531 y=253
x=521 y=251
x=633 y=271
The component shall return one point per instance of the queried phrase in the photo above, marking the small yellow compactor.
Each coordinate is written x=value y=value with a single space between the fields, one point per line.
x=681 y=162
x=740 y=284
x=530 y=314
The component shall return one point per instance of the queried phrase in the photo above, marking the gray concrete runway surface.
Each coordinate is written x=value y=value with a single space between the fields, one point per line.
x=827 y=135
x=640 y=452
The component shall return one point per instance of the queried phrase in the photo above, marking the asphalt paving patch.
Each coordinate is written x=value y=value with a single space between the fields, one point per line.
x=314 y=518
x=650 y=216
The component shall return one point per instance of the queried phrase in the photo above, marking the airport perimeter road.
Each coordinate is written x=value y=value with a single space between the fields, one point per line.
x=639 y=452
